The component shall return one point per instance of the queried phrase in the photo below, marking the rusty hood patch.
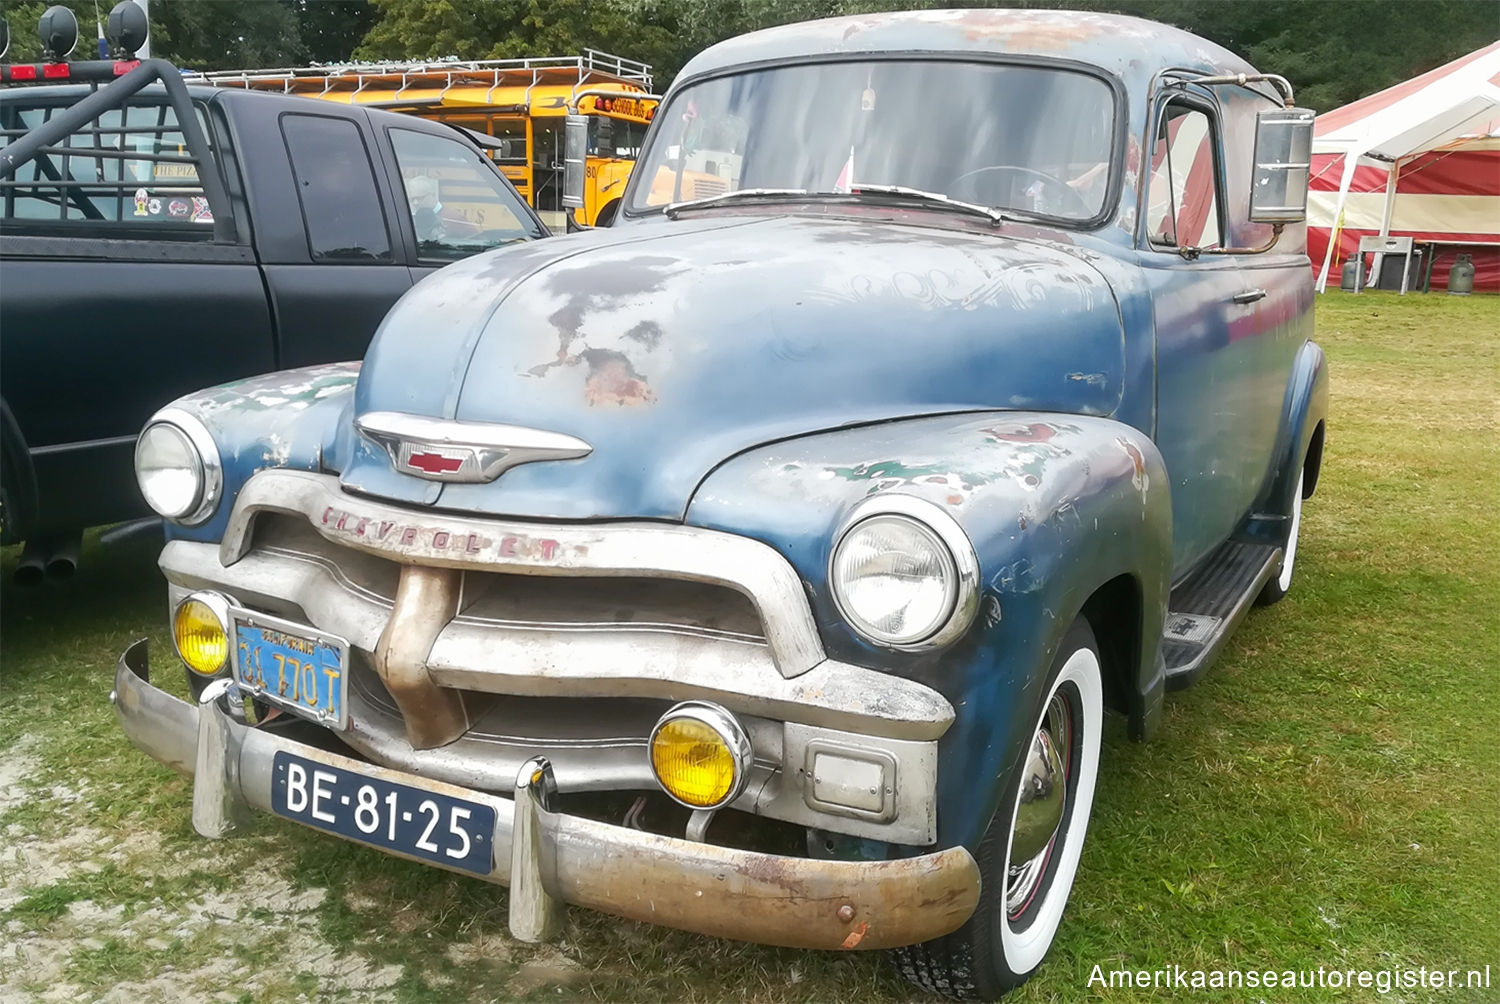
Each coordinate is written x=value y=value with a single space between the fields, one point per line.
x=672 y=347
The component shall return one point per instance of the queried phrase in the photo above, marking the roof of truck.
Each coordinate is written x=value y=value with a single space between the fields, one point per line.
x=1126 y=46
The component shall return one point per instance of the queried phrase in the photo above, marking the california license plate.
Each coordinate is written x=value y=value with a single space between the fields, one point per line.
x=292 y=666
x=430 y=825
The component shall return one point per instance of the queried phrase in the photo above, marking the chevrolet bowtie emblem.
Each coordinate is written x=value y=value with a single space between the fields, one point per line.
x=462 y=452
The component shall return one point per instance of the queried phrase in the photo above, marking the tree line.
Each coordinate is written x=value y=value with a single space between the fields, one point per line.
x=1332 y=52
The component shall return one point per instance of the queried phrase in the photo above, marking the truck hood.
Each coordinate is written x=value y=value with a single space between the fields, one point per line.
x=670 y=347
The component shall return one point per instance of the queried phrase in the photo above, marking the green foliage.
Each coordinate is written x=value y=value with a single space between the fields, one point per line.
x=1332 y=52
x=23 y=17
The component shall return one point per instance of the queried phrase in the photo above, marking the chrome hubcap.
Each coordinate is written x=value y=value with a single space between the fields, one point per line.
x=1039 y=813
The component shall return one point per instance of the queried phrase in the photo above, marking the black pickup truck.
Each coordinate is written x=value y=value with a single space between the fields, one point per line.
x=141 y=258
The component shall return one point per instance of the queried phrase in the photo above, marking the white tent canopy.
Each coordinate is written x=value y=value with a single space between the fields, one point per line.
x=1394 y=125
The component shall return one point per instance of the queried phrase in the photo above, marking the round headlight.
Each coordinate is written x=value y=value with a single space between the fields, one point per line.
x=169 y=470
x=906 y=578
x=200 y=630
x=177 y=467
x=700 y=755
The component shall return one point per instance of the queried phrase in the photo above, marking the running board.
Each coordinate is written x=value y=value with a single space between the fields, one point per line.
x=1209 y=604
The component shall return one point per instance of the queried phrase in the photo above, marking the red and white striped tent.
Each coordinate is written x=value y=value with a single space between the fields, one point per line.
x=1419 y=159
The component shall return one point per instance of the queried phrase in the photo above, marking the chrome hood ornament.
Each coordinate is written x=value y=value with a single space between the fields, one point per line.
x=462 y=452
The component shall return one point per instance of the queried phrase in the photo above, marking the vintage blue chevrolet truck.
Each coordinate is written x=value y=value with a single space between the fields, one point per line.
x=764 y=565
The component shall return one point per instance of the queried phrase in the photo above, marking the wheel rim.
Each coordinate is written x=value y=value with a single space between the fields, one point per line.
x=1041 y=807
x=1289 y=557
x=1075 y=703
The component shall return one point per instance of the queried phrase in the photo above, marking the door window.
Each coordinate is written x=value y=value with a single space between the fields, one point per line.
x=458 y=205
x=336 y=186
x=1183 y=197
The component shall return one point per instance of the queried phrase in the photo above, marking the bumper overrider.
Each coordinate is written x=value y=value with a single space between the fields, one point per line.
x=548 y=858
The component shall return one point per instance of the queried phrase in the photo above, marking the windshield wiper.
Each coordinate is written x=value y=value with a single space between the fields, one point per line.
x=674 y=208
x=995 y=216
x=900 y=192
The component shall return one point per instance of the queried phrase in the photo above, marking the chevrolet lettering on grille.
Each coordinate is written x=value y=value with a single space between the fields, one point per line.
x=463 y=452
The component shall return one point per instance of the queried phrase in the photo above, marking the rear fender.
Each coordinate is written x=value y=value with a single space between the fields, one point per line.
x=1056 y=506
x=1299 y=445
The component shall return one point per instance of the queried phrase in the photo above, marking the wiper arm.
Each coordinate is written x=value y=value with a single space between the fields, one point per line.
x=932 y=198
x=672 y=210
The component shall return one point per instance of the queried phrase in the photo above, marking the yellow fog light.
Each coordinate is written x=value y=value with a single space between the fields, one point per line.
x=701 y=755
x=200 y=629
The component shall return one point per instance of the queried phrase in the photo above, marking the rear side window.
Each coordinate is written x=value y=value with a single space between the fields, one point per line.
x=1183 y=199
x=129 y=167
x=336 y=187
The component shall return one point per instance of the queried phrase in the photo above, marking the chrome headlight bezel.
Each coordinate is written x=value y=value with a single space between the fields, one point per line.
x=961 y=586
x=209 y=468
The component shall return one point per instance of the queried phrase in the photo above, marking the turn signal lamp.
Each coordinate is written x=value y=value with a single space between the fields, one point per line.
x=200 y=632
x=700 y=755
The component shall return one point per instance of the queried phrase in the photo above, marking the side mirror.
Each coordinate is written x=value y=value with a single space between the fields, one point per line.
x=575 y=149
x=1283 y=157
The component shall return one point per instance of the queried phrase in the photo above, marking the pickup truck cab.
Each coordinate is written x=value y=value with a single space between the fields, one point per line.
x=982 y=400
x=122 y=294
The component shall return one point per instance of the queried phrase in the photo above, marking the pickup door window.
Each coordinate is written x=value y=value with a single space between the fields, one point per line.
x=457 y=203
x=336 y=187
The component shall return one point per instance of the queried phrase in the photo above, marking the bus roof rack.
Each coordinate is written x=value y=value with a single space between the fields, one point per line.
x=590 y=65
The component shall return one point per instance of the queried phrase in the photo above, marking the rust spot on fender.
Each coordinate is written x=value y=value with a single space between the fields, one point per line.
x=856 y=936
x=613 y=380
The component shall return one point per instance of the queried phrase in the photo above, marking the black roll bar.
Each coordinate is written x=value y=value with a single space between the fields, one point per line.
x=113 y=96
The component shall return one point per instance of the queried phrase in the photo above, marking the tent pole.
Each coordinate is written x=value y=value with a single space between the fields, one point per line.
x=1391 y=177
x=1351 y=161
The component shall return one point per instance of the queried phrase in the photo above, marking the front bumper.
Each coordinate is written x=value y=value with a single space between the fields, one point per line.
x=549 y=858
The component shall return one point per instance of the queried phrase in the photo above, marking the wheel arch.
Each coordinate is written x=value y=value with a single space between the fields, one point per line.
x=1116 y=613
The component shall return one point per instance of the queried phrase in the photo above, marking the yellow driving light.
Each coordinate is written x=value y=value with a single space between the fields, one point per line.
x=700 y=755
x=200 y=630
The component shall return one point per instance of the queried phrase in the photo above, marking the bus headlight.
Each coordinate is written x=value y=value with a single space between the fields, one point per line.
x=904 y=574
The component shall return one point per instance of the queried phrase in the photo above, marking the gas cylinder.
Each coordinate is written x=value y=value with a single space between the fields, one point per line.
x=1346 y=277
x=1461 y=276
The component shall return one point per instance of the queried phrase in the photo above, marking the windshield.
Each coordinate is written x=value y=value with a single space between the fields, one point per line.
x=1027 y=138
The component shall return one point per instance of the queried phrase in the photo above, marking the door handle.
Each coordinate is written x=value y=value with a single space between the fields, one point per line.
x=1249 y=296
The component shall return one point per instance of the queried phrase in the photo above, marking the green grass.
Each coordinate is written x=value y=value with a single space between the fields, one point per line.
x=1328 y=795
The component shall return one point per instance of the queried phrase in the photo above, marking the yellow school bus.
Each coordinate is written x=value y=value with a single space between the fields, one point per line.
x=519 y=103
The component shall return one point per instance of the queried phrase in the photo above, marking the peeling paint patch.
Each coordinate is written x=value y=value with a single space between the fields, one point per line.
x=614 y=380
x=1138 y=476
x=1092 y=379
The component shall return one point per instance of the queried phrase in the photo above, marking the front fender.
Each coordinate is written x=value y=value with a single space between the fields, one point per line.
x=1056 y=507
x=286 y=419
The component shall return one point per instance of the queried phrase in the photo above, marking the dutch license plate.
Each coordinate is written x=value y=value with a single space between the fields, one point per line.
x=292 y=666
x=425 y=824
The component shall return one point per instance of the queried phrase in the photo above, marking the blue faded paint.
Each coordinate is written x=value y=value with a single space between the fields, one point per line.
x=287 y=419
x=1089 y=408
x=677 y=348
x=1055 y=505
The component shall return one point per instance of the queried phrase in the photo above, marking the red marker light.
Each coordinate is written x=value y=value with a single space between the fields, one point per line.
x=56 y=71
x=125 y=66
x=23 y=71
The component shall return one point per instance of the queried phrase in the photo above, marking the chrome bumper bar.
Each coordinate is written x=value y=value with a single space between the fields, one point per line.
x=548 y=858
